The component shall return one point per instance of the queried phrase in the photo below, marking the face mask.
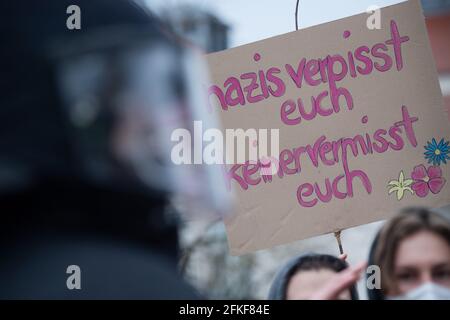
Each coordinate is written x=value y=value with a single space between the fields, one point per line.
x=427 y=291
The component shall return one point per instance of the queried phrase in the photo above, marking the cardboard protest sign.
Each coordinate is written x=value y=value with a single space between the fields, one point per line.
x=362 y=126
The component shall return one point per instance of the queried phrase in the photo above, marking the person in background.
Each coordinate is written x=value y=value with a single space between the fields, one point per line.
x=86 y=178
x=316 y=277
x=413 y=253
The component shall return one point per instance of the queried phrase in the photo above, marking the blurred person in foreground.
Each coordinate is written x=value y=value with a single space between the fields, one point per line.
x=316 y=277
x=86 y=177
x=413 y=252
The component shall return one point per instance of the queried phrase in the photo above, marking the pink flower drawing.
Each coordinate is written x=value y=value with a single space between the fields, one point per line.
x=427 y=180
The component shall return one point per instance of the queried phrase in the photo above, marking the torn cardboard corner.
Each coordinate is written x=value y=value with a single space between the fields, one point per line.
x=362 y=127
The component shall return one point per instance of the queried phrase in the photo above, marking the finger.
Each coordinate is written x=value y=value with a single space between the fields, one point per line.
x=359 y=267
x=340 y=282
x=343 y=256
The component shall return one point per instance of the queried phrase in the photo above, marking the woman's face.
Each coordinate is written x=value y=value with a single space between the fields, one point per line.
x=420 y=258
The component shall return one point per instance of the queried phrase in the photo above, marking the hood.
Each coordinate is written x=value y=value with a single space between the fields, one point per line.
x=279 y=285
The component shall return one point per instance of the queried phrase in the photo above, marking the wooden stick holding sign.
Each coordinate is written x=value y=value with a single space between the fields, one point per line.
x=337 y=235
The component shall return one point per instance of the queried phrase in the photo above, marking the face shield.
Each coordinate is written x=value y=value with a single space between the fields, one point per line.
x=123 y=106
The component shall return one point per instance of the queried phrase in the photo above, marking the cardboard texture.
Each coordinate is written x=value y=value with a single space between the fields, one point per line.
x=370 y=104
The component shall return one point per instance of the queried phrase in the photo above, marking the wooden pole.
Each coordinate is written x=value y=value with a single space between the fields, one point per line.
x=337 y=235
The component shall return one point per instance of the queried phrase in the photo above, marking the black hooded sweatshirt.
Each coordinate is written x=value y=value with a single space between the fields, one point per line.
x=279 y=285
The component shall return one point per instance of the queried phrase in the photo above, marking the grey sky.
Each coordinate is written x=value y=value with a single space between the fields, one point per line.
x=252 y=20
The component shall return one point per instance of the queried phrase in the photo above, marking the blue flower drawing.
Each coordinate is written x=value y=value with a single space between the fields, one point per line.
x=437 y=152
